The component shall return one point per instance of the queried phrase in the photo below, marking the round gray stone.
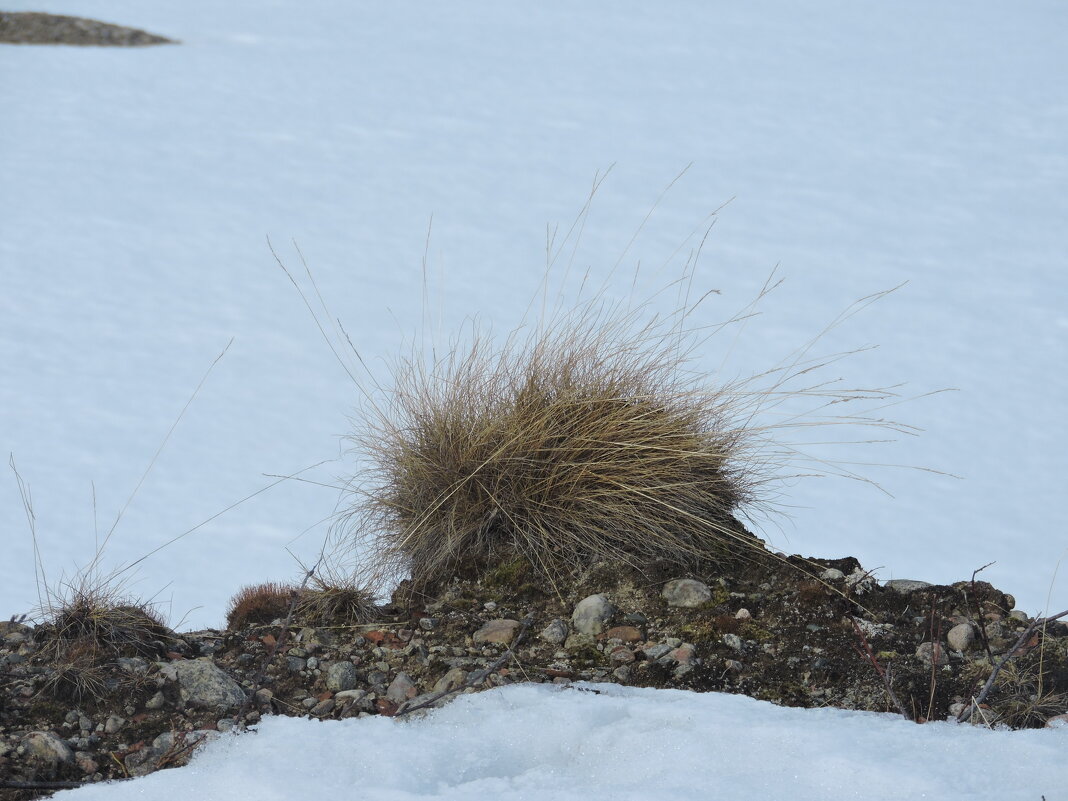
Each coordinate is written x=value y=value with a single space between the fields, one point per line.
x=205 y=685
x=961 y=636
x=686 y=593
x=592 y=614
x=341 y=676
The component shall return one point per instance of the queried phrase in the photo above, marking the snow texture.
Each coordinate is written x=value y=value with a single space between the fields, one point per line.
x=545 y=741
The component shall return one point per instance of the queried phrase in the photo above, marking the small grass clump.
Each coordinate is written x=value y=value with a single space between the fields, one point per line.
x=259 y=604
x=586 y=441
x=88 y=630
x=328 y=600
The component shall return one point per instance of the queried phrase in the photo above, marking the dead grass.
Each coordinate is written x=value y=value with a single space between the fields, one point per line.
x=259 y=604
x=584 y=440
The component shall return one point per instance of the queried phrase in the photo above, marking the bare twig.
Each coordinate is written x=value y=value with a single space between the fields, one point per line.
x=867 y=653
x=476 y=677
x=1037 y=623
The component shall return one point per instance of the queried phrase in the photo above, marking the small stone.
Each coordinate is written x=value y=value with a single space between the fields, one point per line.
x=205 y=685
x=591 y=614
x=674 y=642
x=906 y=586
x=294 y=664
x=555 y=633
x=654 y=652
x=490 y=606
x=401 y=689
x=48 y=748
x=734 y=665
x=636 y=619
x=861 y=581
x=497 y=631
x=309 y=703
x=1019 y=614
x=323 y=708
x=832 y=574
x=927 y=652
x=86 y=763
x=733 y=641
x=627 y=634
x=313 y=663
x=622 y=673
x=264 y=696
x=132 y=664
x=453 y=680
x=427 y=623
x=961 y=636
x=1057 y=722
x=685 y=654
x=686 y=593
x=113 y=724
x=341 y=676
x=577 y=642
x=745 y=614
x=350 y=695
x=621 y=655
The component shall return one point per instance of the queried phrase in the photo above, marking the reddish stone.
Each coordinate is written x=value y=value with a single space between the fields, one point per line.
x=385 y=707
x=269 y=640
x=624 y=633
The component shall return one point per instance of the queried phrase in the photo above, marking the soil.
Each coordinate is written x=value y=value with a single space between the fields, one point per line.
x=792 y=631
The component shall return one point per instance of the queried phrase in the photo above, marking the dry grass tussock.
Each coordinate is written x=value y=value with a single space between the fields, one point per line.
x=90 y=626
x=587 y=438
x=328 y=599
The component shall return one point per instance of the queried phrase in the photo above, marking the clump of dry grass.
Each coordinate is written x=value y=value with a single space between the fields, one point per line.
x=329 y=599
x=585 y=440
x=345 y=603
x=259 y=604
x=89 y=627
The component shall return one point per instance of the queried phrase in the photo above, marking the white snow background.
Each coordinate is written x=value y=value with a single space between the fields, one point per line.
x=863 y=145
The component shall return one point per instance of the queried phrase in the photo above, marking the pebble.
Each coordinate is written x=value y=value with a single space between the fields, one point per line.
x=401 y=689
x=654 y=652
x=621 y=655
x=555 y=633
x=323 y=708
x=832 y=574
x=452 y=680
x=686 y=593
x=745 y=614
x=113 y=724
x=591 y=614
x=341 y=676
x=685 y=654
x=906 y=585
x=497 y=631
x=48 y=748
x=733 y=641
x=926 y=651
x=623 y=634
x=961 y=636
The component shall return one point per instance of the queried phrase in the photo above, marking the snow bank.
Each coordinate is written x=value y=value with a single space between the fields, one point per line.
x=562 y=743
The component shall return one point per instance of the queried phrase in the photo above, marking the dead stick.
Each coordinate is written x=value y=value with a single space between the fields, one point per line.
x=966 y=713
x=870 y=655
x=476 y=677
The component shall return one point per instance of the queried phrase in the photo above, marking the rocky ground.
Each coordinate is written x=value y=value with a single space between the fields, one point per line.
x=793 y=632
x=29 y=27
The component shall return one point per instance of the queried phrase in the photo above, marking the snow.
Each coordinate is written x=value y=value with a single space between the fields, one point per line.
x=605 y=741
x=860 y=145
